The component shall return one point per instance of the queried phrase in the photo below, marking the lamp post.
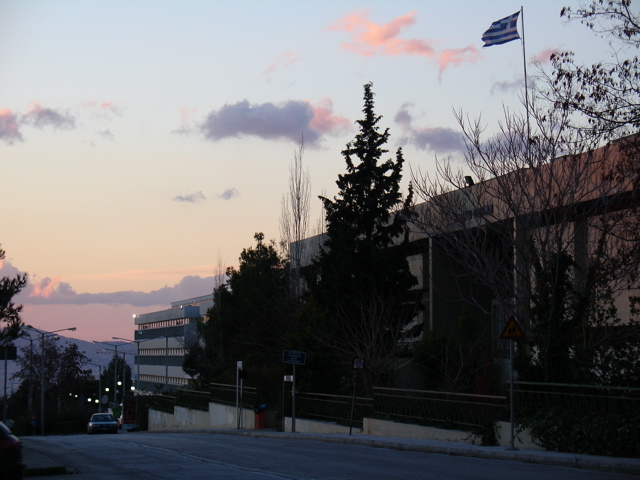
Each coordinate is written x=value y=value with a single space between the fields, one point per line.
x=44 y=334
x=115 y=371
x=25 y=334
x=99 y=385
x=137 y=342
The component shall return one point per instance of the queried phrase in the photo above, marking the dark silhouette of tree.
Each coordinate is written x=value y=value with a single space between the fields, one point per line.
x=122 y=374
x=9 y=311
x=361 y=278
x=250 y=320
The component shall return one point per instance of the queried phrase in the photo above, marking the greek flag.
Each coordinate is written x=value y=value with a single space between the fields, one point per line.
x=502 y=31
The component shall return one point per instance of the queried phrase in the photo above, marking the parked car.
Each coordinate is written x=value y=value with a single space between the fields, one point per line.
x=102 y=422
x=12 y=465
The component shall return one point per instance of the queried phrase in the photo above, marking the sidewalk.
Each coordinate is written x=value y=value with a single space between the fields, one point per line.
x=41 y=465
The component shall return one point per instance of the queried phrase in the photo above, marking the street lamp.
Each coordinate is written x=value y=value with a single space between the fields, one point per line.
x=25 y=334
x=44 y=334
x=137 y=342
x=99 y=385
x=115 y=371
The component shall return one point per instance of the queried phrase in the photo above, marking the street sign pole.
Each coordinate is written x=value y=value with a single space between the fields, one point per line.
x=295 y=358
x=512 y=331
x=512 y=414
x=293 y=401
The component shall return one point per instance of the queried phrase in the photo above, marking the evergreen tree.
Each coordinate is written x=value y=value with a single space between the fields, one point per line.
x=10 y=312
x=250 y=319
x=361 y=277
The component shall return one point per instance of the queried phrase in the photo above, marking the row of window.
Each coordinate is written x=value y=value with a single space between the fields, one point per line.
x=160 y=360
x=171 y=352
x=162 y=379
x=164 y=323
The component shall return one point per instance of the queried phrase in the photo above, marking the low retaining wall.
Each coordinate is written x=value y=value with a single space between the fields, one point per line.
x=218 y=416
x=224 y=416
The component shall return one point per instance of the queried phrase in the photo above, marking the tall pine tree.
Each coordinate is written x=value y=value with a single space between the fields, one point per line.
x=361 y=277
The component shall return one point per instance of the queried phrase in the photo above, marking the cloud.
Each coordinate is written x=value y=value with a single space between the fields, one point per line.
x=229 y=194
x=9 y=129
x=458 y=56
x=544 y=57
x=47 y=291
x=285 y=60
x=369 y=38
x=48 y=117
x=191 y=198
x=436 y=139
x=507 y=86
x=288 y=120
x=107 y=135
x=103 y=109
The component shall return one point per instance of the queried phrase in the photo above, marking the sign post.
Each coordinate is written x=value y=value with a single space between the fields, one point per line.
x=295 y=358
x=239 y=379
x=358 y=364
x=511 y=332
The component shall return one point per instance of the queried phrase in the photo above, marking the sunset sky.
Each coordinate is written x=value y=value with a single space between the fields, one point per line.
x=143 y=143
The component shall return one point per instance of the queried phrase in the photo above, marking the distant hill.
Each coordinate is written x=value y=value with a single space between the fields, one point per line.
x=97 y=353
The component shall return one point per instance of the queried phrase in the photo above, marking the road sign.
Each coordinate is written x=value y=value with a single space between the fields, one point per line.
x=512 y=331
x=292 y=356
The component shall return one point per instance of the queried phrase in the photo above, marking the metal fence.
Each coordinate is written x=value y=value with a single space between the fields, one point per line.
x=226 y=395
x=445 y=409
x=533 y=397
x=333 y=408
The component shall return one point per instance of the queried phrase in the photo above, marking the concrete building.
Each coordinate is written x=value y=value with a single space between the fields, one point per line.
x=161 y=338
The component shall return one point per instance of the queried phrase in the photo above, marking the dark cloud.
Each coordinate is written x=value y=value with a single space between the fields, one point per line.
x=63 y=294
x=107 y=135
x=51 y=292
x=9 y=129
x=229 y=194
x=436 y=139
x=48 y=117
x=506 y=86
x=267 y=121
x=191 y=198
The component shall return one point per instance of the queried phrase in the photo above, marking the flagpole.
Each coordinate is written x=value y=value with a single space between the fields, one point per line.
x=526 y=86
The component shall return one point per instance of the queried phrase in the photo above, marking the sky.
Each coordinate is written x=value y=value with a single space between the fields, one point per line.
x=144 y=142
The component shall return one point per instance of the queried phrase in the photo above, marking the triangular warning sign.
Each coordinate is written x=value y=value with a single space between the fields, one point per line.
x=512 y=330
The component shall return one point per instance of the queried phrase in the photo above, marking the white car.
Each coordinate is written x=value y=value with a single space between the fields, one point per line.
x=102 y=422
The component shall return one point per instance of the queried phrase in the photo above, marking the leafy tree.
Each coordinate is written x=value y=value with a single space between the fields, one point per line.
x=64 y=374
x=10 y=312
x=605 y=94
x=361 y=278
x=122 y=374
x=250 y=319
x=550 y=227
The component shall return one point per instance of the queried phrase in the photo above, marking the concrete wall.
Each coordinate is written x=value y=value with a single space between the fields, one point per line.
x=218 y=416
x=521 y=439
x=313 y=426
x=386 y=428
x=224 y=416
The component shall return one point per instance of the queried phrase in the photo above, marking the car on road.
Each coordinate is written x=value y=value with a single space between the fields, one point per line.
x=12 y=465
x=102 y=422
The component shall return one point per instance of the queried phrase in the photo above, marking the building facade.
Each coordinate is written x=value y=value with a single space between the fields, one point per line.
x=162 y=339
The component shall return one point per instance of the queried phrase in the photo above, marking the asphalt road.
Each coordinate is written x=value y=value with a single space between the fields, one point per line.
x=229 y=457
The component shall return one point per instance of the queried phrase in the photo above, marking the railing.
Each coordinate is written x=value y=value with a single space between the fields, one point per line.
x=226 y=395
x=333 y=408
x=445 y=409
x=534 y=397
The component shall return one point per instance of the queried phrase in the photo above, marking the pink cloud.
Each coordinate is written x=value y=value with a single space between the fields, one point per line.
x=544 y=56
x=369 y=38
x=44 y=288
x=285 y=60
x=458 y=56
x=9 y=130
x=324 y=121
